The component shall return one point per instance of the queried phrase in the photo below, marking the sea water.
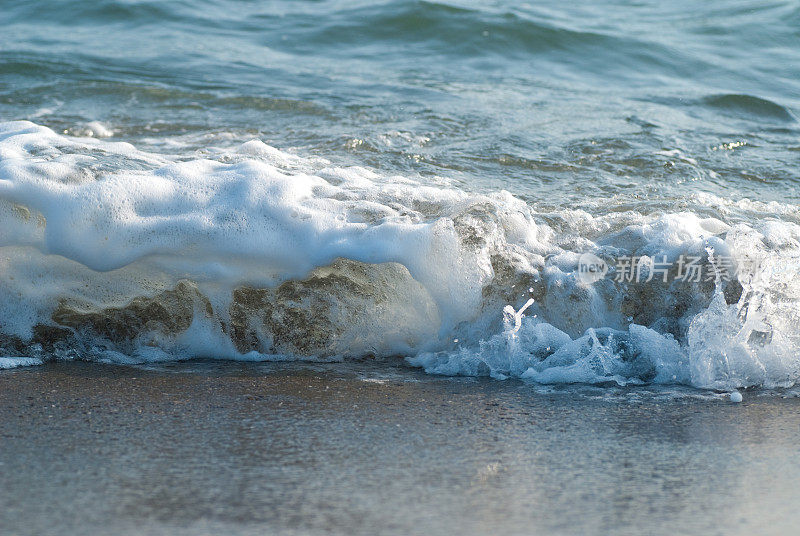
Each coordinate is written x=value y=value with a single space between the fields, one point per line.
x=337 y=180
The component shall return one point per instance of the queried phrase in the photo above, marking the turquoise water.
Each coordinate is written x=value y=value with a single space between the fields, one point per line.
x=578 y=99
x=331 y=179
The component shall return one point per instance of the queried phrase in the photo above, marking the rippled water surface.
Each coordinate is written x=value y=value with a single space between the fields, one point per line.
x=559 y=102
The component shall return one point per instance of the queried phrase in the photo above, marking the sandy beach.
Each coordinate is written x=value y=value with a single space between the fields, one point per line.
x=365 y=447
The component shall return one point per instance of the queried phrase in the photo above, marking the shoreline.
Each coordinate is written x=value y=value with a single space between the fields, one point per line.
x=307 y=448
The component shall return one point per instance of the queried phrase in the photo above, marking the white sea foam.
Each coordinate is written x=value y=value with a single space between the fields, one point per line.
x=116 y=254
x=14 y=362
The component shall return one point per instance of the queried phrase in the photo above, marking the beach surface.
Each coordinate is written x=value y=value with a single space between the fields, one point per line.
x=206 y=447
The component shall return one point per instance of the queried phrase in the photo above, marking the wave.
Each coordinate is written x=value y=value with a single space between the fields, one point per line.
x=115 y=254
x=750 y=106
x=439 y=29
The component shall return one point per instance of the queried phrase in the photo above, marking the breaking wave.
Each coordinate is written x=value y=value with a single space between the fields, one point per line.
x=114 y=254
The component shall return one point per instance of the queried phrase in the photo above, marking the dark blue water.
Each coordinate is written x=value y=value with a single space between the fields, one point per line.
x=558 y=102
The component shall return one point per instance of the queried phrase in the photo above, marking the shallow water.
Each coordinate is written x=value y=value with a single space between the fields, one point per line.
x=546 y=131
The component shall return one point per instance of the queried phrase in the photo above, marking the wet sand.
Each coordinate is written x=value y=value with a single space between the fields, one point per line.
x=378 y=448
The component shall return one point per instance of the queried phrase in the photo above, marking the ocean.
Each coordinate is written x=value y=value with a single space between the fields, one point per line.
x=338 y=180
